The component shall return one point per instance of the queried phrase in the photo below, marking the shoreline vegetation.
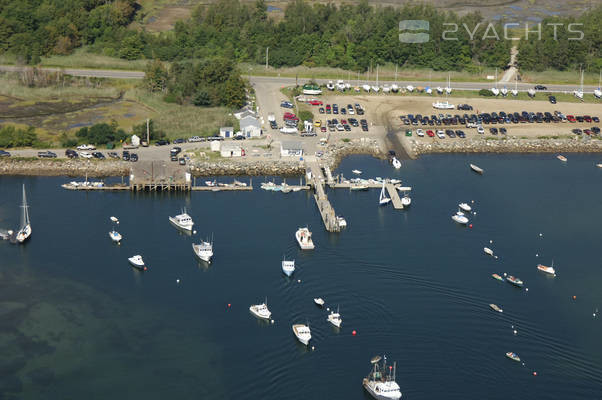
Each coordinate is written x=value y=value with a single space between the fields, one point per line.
x=332 y=157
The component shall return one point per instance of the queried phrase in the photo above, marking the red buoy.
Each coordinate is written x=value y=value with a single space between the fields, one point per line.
x=574 y=297
x=470 y=226
x=353 y=332
x=229 y=305
x=534 y=373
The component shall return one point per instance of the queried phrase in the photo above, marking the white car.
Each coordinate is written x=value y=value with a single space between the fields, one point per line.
x=85 y=154
x=440 y=134
x=340 y=127
x=480 y=129
x=86 y=147
x=419 y=132
x=194 y=139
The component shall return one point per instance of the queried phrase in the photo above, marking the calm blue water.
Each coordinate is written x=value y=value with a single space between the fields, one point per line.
x=77 y=322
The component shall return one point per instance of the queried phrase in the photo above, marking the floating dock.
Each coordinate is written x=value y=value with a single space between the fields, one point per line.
x=329 y=217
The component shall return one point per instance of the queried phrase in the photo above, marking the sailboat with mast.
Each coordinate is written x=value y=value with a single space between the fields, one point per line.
x=25 y=229
x=445 y=105
x=366 y=86
x=579 y=93
x=598 y=92
x=376 y=88
x=448 y=89
x=394 y=86
x=495 y=90
x=383 y=200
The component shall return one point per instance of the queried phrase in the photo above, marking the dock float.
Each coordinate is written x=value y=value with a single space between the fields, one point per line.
x=395 y=199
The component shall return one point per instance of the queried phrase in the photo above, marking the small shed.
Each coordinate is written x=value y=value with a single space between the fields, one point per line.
x=290 y=148
x=226 y=131
x=250 y=126
x=231 y=150
x=215 y=145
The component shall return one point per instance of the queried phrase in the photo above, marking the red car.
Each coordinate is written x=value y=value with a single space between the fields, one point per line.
x=322 y=129
x=316 y=102
x=344 y=121
x=327 y=106
x=571 y=118
x=587 y=131
x=430 y=133
x=587 y=118
x=290 y=115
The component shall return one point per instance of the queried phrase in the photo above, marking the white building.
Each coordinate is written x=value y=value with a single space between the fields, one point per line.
x=245 y=112
x=226 y=131
x=135 y=140
x=289 y=148
x=215 y=145
x=250 y=126
x=231 y=150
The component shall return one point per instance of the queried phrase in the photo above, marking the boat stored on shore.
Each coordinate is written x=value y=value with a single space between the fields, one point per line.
x=303 y=333
x=380 y=385
x=303 y=236
x=203 y=250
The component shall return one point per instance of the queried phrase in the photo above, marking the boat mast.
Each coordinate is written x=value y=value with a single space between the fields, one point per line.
x=396 y=74
x=394 y=369
x=25 y=213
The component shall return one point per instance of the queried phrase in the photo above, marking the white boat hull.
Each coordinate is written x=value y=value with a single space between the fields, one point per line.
x=203 y=254
x=115 y=236
x=380 y=395
x=23 y=234
x=460 y=219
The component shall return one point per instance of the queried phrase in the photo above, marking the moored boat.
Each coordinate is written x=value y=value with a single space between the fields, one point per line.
x=406 y=200
x=203 y=250
x=513 y=356
x=476 y=169
x=547 y=270
x=342 y=222
x=137 y=262
x=114 y=219
x=383 y=200
x=561 y=158
x=182 y=221
x=465 y=207
x=396 y=163
x=261 y=310
x=379 y=384
x=494 y=307
x=488 y=251
x=303 y=236
x=335 y=318
x=115 y=236
x=319 y=301
x=24 y=231
x=496 y=276
x=514 y=281
x=288 y=266
x=460 y=218
x=303 y=333
x=356 y=171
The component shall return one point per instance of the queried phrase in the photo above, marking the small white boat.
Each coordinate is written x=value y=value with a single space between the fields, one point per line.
x=406 y=200
x=476 y=169
x=182 y=221
x=356 y=171
x=396 y=163
x=386 y=88
x=494 y=307
x=379 y=384
x=261 y=310
x=561 y=158
x=203 y=250
x=410 y=88
x=488 y=251
x=394 y=88
x=443 y=105
x=335 y=318
x=460 y=218
x=288 y=267
x=24 y=231
x=531 y=92
x=375 y=88
x=547 y=270
x=439 y=89
x=319 y=301
x=114 y=219
x=115 y=236
x=330 y=85
x=504 y=91
x=342 y=222
x=303 y=333
x=383 y=200
x=599 y=165
x=137 y=262
x=465 y=207
x=366 y=87
x=303 y=236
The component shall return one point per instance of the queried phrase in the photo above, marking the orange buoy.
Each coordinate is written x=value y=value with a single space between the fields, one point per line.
x=574 y=297
x=354 y=332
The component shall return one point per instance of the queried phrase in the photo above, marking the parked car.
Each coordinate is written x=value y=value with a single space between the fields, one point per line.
x=239 y=137
x=194 y=139
x=178 y=141
x=503 y=131
x=430 y=133
x=321 y=110
x=86 y=147
x=4 y=153
x=440 y=134
x=85 y=154
x=133 y=157
x=113 y=154
x=71 y=153
x=540 y=87
x=595 y=130
x=493 y=131
x=316 y=102
x=162 y=142
x=125 y=155
x=595 y=119
x=480 y=129
x=99 y=155
x=175 y=150
x=174 y=157
x=182 y=161
x=552 y=99
x=577 y=131
x=420 y=132
x=286 y=104
x=46 y=154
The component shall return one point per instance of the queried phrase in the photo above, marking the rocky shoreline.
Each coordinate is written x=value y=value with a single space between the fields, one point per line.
x=331 y=158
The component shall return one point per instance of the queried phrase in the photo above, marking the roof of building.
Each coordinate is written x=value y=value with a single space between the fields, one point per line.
x=291 y=145
x=249 y=120
x=226 y=128
x=246 y=114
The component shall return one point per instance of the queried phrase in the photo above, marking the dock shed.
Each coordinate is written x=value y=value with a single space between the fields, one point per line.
x=291 y=148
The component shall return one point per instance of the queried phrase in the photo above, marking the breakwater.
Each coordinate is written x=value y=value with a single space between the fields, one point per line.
x=62 y=167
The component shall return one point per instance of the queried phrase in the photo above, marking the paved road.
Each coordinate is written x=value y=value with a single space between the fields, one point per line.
x=120 y=74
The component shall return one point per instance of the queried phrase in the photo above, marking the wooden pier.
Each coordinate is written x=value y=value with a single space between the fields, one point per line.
x=395 y=200
x=329 y=217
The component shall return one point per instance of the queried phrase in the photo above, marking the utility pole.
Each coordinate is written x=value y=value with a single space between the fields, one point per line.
x=267 y=49
x=148 y=131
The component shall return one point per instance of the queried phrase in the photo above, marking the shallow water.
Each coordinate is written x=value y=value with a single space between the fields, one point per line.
x=76 y=320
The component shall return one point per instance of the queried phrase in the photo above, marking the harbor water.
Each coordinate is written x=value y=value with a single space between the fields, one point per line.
x=76 y=321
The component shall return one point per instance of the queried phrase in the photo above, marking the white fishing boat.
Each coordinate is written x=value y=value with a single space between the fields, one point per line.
x=443 y=105
x=203 y=250
x=396 y=163
x=599 y=165
x=494 y=307
x=288 y=267
x=24 y=231
x=319 y=301
x=366 y=87
x=358 y=186
x=356 y=171
x=383 y=200
x=261 y=310
x=114 y=219
x=303 y=236
x=476 y=169
x=379 y=384
x=335 y=318
x=182 y=221
x=210 y=183
x=406 y=200
x=394 y=88
x=342 y=222
x=460 y=218
x=547 y=270
x=488 y=251
x=303 y=333
x=465 y=207
x=115 y=236
x=495 y=91
x=410 y=88
x=137 y=262
x=386 y=88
